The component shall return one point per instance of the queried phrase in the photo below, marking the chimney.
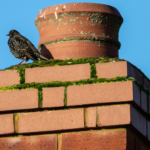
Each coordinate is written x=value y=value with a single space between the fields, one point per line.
x=91 y=101
x=79 y=30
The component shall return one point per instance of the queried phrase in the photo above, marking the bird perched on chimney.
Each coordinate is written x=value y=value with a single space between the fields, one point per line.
x=22 y=48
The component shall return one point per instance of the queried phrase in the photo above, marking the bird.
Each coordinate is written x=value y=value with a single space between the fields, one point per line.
x=22 y=48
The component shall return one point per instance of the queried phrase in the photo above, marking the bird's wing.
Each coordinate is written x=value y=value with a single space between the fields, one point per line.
x=28 y=43
x=27 y=48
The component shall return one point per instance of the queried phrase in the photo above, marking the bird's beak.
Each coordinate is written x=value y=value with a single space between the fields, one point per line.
x=7 y=35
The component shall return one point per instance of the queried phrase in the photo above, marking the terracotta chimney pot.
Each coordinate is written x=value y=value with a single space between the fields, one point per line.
x=78 y=30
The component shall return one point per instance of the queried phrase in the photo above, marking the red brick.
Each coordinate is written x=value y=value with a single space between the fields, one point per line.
x=138 y=121
x=148 y=131
x=91 y=117
x=57 y=73
x=18 y=99
x=9 y=78
x=6 y=124
x=121 y=115
x=144 y=101
x=111 y=69
x=53 y=97
x=102 y=93
x=138 y=76
x=114 y=115
x=51 y=120
x=43 y=142
x=96 y=140
x=146 y=83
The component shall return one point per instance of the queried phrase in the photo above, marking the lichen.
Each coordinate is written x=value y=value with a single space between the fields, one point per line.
x=37 y=23
x=85 y=39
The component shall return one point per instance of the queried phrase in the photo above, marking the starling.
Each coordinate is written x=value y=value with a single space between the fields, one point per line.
x=22 y=48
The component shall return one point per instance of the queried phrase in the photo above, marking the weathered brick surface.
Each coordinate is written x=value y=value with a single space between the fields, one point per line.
x=91 y=117
x=51 y=120
x=53 y=97
x=102 y=93
x=57 y=73
x=18 y=99
x=43 y=142
x=98 y=140
x=138 y=121
x=138 y=76
x=146 y=83
x=114 y=115
x=9 y=78
x=6 y=124
x=112 y=69
x=144 y=101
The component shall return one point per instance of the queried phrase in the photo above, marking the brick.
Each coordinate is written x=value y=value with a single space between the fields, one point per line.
x=139 y=145
x=57 y=73
x=136 y=94
x=111 y=69
x=96 y=140
x=121 y=115
x=91 y=117
x=138 y=76
x=51 y=120
x=146 y=83
x=144 y=101
x=9 y=78
x=114 y=115
x=130 y=140
x=138 y=121
x=53 y=97
x=149 y=103
x=6 y=124
x=18 y=99
x=148 y=131
x=42 y=142
x=130 y=70
x=102 y=93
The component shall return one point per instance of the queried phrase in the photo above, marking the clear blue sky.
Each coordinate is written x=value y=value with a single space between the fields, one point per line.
x=133 y=35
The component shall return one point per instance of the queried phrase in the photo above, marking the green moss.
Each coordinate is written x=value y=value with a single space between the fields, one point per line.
x=65 y=96
x=93 y=78
x=16 y=118
x=40 y=97
x=86 y=39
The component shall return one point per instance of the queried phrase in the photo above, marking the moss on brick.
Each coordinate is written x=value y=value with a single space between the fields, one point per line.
x=85 y=39
x=16 y=118
x=65 y=96
x=93 y=79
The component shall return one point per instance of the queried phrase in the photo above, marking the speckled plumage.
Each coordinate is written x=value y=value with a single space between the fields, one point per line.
x=22 y=48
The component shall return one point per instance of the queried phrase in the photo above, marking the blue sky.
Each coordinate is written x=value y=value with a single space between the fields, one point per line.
x=133 y=35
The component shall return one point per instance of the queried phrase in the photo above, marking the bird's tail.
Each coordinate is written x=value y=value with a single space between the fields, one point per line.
x=42 y=57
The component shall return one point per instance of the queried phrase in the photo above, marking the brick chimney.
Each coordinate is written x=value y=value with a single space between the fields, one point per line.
x=89 y=102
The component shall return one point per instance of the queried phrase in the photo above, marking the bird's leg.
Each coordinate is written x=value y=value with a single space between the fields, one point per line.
x=21 y=61
x=24 y=62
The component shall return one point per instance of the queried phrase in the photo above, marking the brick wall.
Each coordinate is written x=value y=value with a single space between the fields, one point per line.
x=62 y=113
